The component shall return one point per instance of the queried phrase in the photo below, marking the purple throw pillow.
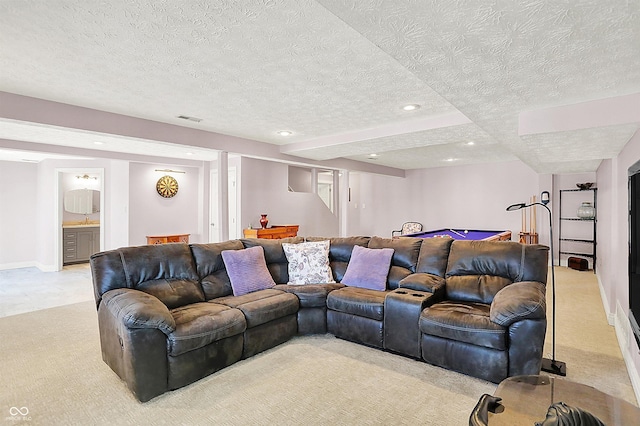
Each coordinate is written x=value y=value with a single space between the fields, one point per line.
x=368 y=268
x=247 y=270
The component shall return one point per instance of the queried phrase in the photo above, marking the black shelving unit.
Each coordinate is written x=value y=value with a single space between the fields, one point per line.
x=565 y=240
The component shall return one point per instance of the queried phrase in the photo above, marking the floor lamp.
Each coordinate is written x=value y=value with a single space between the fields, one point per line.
x=549 y=365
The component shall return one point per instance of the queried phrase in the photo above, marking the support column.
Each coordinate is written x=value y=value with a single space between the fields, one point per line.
x=223 y=191
x=335 y=193
x=343 y=207
x=314 y=180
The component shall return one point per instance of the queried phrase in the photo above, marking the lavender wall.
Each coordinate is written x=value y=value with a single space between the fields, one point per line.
x=151 y=214
x=379 y=204
x=472 y=197
x=613 y=243
x=300 y=179
x=18 y=212
x=264 y=190
x=475 y=197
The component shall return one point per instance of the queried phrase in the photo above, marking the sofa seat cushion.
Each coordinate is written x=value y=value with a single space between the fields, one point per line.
x=464 y=322
x=262 y=306
x=200 y=324
x=358 y=301
x=310 y=295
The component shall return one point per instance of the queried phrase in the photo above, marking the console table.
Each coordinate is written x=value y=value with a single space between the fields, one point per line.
x=272 y=233
x=164 y=239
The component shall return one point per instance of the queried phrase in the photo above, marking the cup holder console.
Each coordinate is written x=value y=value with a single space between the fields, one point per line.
x=402 y=309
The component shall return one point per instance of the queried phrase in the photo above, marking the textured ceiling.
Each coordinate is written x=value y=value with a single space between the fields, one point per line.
x=329 y=70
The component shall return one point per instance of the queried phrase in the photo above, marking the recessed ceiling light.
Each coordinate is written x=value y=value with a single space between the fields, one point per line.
x=285 y=133
x=450 y=159
x=471 y=143
x=411 y=107
x=99 y=143
x=189 y=153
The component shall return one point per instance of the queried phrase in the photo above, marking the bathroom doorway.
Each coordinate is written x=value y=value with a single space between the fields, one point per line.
x=78 y=215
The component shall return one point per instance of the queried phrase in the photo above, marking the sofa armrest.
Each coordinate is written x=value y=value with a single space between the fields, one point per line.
x=519 y=301
x=136 y=309
x=422 y=282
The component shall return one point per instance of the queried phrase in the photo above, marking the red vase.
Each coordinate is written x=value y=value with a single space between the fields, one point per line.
x=264 y=221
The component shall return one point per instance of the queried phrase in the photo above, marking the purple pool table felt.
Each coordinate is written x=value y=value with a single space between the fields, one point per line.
x=457 y=234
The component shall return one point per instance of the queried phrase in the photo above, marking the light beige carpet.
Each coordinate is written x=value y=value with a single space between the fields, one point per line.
x=585 y=341
x=52 y=367
x=51 y=359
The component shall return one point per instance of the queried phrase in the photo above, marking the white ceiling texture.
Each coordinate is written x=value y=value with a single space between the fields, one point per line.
x=336 y=73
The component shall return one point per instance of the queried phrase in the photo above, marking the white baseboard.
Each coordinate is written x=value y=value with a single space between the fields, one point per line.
x=29 y=264
x=611 y=319
x=17 y=265
x=624 y=335
x=47 y=268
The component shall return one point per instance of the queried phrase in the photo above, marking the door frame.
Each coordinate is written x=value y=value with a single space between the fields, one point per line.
x=58 y=212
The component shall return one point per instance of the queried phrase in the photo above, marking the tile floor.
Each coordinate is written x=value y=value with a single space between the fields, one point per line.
x=29 y=289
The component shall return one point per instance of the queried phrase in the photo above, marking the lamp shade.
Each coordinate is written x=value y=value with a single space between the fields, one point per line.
x=518 y=206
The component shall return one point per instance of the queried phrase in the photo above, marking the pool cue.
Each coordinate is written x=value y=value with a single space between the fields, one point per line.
x=533 y=222
x=531 y=218
x=523 y=231
x=463 y=236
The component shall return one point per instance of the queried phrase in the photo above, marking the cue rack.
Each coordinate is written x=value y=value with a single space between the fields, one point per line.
x=530 y=236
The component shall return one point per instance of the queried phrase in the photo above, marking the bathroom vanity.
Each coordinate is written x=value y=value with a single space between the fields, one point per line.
x=79 y=242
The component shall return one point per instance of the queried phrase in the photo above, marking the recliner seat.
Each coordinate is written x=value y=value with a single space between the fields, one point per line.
x=472 y=330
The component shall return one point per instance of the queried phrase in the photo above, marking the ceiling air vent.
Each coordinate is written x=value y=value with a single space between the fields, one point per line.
x=186 y=117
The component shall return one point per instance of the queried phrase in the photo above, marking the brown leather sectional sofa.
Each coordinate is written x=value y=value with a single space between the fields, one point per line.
x=168 y=317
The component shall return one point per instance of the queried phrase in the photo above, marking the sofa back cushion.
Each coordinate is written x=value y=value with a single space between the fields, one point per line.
x=107 y=272
x=274 y=255
x=405 y=257
x=477 y=270
x=340 y=252
x=434 y=255
x=166 y=271
x=210 y=267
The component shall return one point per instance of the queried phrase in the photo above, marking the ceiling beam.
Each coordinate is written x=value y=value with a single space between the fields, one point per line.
x=26 y=109
x=384 y=130
x=584 y=115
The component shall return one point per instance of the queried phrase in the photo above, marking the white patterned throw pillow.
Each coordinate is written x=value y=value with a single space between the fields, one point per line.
x=308 y=263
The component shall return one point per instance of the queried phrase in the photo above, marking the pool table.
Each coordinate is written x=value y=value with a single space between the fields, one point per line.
x=464 y=234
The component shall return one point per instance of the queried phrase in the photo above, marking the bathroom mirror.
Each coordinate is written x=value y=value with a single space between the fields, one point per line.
x=82 y=201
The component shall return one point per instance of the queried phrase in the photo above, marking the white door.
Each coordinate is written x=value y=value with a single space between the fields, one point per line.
x=234 y=231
